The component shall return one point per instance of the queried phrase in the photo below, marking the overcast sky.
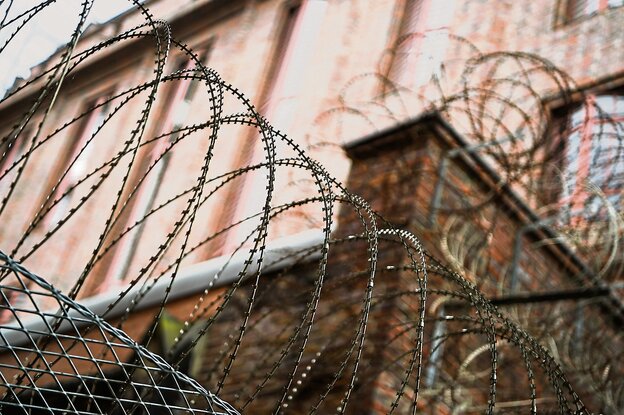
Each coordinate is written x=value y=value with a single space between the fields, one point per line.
x=45 y=33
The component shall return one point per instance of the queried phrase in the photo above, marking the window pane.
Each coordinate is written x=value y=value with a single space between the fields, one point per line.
x=579 y=116
x=11 y=150
x=594 y=154
x=619 y=106
x=592 y=6
x=576 y=8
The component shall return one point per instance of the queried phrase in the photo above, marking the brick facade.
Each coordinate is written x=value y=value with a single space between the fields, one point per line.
x=241 y=35
x=325 y=92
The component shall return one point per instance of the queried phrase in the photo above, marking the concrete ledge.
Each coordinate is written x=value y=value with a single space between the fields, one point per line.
x=216 y=272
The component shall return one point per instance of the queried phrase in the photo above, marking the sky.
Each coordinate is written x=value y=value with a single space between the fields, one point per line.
x=45 y=33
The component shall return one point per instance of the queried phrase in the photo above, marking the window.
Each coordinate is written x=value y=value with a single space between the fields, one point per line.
x=282 y=80
x=419 y=45
x=173 y=116
x=592 y=160
x=280 y=59
x=75 y=165
x=406 y=40
x=577 y=9
x=11 y=149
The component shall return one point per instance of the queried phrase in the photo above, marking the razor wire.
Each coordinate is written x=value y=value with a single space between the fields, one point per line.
x=357 y=321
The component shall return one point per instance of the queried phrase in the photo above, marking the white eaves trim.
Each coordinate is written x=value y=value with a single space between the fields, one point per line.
x=213 y=273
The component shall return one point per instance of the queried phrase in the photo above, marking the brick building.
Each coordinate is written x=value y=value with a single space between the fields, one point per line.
x=502 y=199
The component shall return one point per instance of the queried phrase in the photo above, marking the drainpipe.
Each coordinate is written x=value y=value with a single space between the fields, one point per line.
x=436 y=199
x=437 y=342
